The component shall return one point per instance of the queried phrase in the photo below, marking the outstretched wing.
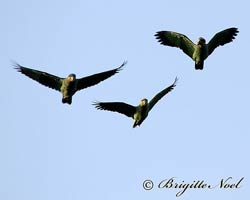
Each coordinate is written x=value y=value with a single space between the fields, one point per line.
x=161 y=94
x=97 y=78
x=44 y=78
x=119 y=107
x=222 y=38
x=175 y=39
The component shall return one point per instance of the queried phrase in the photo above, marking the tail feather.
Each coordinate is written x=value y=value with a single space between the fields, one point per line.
x=135 y=124
x=67 y=100
x=199 y=65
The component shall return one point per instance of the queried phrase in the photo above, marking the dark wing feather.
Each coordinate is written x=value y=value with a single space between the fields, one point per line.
x=222 y=38
x=44 y=78
x=175 y=39
x=97 y=78
x=119 y=107
x=161 y=94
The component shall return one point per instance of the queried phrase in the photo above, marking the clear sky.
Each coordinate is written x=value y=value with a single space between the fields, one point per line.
x=199 y=131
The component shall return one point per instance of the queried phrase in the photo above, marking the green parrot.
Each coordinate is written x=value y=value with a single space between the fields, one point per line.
x=67 y=86
x=138 y=113
x=200 y=51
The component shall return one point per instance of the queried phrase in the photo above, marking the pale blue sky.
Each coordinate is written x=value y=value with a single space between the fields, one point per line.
x=199 y=131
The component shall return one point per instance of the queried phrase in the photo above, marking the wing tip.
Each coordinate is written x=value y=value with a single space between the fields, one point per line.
x=97 y=105
x=161 y=38
x=16 y=66
x=158 y=35
x=121 y=66
x=175 y=81
x=234 y=32
x=235 y=29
